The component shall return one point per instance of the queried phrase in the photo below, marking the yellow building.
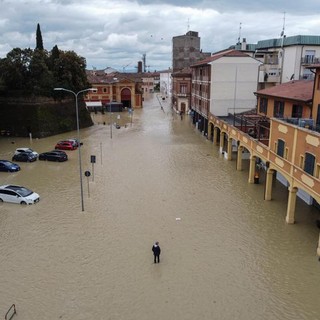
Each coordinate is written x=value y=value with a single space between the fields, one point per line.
x=118 y=87
x=290 y=149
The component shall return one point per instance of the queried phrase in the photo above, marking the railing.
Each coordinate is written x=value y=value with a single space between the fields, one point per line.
x=310 y=60
x=303 y=123
x=11 y=312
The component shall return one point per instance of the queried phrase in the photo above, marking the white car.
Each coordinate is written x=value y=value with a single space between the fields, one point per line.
x=26 y=150
x=17 y=194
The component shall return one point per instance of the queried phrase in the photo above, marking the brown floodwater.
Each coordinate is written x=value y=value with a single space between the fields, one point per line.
x=229 y=255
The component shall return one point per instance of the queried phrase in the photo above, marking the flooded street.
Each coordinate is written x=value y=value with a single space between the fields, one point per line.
x=229 y=256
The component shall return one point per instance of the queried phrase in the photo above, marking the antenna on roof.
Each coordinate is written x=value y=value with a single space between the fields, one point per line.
x=283 y=27
x=284 y=24
x=188 y=27
x=239 y=33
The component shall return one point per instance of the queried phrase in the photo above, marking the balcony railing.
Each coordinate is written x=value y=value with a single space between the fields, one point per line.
x=310 y=60
x=303 y=123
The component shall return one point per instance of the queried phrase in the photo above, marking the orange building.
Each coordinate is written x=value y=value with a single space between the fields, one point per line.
x=289 y=100
x=118 y=87
x=291 y=152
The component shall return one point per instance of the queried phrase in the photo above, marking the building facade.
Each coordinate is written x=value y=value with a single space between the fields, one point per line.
x=223 y=84
x=181 y=91
x=118 y=87
x=284 y=59
x=166 y=83
x=186 y=50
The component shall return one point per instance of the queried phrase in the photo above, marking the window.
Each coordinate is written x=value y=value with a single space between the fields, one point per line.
x=296 y=111
x=280 y=148
x=183 y=88
x=309 y=56
x=278 y=110
x=263 y=105
x=309 y=163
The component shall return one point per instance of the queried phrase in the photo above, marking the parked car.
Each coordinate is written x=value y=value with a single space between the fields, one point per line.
x=17 y=194
x=24 y=157
x=26 y=150
x=74 y=141
x=8 y=166
x=65 y=145
x=55 y=155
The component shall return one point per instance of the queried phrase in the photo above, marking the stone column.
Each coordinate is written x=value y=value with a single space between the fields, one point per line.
x=269 y=180
x=291 y=207
x=229 y=149
x=215 y=135
x=318 y=249
x=239 y=158
x=209 y=130
x=252 y=169
x=221 y=141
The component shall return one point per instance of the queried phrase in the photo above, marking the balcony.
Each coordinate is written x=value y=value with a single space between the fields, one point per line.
x=307 y=60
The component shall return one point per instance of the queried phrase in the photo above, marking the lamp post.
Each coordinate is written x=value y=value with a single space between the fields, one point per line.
x=78 y=132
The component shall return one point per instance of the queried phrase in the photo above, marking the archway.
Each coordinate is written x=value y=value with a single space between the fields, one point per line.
x=126 y=98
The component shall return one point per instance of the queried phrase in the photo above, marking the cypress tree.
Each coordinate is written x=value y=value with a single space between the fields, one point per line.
x=39 y=38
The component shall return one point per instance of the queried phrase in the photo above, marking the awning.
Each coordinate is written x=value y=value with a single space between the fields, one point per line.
x=92 y=104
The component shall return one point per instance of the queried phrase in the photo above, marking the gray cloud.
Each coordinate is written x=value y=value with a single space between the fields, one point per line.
x=117 y=33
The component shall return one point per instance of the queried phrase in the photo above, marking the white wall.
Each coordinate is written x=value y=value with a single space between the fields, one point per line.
x=291 y=64
x=165 y=83
x=233 y=83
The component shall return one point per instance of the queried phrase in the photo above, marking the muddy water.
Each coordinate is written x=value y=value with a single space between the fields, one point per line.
x=230 y=256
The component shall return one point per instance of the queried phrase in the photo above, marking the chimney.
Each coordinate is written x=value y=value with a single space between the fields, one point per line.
x=244 y=44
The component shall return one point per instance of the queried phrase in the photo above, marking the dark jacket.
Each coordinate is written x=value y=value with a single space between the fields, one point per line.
x=156 y=250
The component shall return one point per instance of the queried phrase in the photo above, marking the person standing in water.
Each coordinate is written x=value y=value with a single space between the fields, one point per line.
x=156 y=252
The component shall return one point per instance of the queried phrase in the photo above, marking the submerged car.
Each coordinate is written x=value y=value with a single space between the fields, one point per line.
x=65 y=145
x=74 y=141
x=54 y=155
x=18 y=194
x=8 y=166
x=24 y=157
x=25 y=150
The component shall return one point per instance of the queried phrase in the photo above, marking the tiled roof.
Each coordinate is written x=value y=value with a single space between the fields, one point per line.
x=99 y=76
x=183 y=72
x=301 y=90
x=220 y=54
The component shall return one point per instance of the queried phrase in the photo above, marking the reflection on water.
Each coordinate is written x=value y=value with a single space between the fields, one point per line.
x=231 y=256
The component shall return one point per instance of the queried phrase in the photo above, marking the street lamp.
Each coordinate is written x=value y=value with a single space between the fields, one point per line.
x=78 y=132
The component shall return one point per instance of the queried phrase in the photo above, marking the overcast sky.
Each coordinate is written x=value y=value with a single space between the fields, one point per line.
x=116 y=33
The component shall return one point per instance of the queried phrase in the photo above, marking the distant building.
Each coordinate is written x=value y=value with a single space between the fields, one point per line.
x=186 y=50
x=284 y=59
x=181 y=90
x=150 y=80
x=124 y=88
x=166 y=83
x=223 y=84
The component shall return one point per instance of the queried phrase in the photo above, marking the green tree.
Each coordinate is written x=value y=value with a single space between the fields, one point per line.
x=70 y=71
x=39 y=44
x=15 y=69
x=41 y=77
x=36 y=72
